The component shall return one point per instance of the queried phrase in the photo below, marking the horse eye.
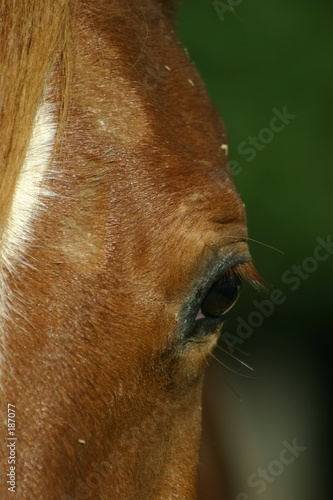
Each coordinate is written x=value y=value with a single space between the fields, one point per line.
x=221 y=297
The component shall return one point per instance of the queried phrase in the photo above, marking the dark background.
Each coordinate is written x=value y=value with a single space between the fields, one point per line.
x=268 y=55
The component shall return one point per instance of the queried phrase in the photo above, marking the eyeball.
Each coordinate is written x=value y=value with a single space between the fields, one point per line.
x=221 y=297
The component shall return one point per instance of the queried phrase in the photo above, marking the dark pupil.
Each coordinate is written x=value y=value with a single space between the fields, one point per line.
x=221 y=297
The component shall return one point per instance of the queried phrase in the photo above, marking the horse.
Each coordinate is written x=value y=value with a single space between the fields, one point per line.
x=123 y=244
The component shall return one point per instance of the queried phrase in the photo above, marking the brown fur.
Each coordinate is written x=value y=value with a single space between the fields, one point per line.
x=107 y=394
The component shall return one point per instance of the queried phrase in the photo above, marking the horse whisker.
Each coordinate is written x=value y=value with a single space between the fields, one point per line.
x=259 y=243
x=231 y=369
x=233 y=390
x=234 y=347
x=237 y=359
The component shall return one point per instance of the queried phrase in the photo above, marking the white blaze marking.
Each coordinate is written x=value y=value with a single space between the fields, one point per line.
x=29 y=191
x=27 y=201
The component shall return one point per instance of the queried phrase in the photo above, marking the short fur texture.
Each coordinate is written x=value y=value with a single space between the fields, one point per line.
x=138 y=203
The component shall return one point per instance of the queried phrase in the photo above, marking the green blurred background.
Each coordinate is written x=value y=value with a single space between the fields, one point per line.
x=268 y=55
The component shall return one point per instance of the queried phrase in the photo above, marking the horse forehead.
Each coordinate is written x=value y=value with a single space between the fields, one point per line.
x=142 y=90
x=142 y=132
